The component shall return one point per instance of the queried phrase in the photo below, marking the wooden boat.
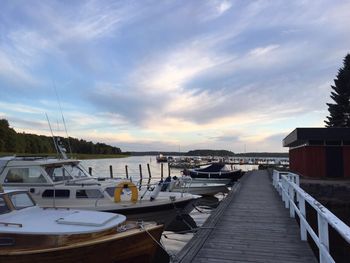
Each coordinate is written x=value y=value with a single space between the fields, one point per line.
x=214 y=171
x=32 y=234
x=64 y=183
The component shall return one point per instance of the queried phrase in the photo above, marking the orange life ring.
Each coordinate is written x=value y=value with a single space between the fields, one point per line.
x=119 y=188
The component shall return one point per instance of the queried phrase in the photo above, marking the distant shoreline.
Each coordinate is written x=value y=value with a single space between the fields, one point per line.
x=155 y=153
x=82 y=156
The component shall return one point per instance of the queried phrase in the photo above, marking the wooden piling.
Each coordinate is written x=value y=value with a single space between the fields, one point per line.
x=126 y=172
x=161 y=171
x=90 y=170
x=111 y=171
x=140 y=168
x=149 y=176
x=169 y=170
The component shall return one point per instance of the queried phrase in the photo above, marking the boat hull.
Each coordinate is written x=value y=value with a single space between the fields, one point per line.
x=204 y=190
x=162 y=214
x=131 y=246
x=234 y=175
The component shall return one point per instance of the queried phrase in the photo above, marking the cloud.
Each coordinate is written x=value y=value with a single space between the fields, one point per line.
x=261 y=51
x=234 y=72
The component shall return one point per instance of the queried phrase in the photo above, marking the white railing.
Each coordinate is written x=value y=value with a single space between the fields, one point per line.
x=287 y=184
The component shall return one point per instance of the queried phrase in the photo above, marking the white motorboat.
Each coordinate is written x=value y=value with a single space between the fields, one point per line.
x=193 y=186
x=64 y=183
x=32 y=234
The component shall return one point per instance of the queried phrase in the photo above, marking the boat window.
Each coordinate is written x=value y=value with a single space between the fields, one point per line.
x=59 y=193
x=58 y=174
x=110 y=191
x=21 y=200
x=76 y=171
x=27 y=175
x=3 y=206
x=89 y=193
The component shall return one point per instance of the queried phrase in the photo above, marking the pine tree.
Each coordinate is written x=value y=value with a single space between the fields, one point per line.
x=339 y=112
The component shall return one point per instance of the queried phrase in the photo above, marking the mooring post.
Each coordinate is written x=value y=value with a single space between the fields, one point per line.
x=149 y=176
x=161 y=171
x=111 y=171
x=90 y=170
x=168 y=169
x=126 y=172
x=140 y=176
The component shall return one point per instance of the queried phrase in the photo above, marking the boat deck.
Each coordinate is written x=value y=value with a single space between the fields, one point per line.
x=250 y=225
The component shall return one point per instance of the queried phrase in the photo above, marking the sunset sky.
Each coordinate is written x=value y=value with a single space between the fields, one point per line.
x=171 y=75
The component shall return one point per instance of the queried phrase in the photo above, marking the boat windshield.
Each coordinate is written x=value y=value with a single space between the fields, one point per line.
x=66 y=172
x=21 y=200
x=3 y=206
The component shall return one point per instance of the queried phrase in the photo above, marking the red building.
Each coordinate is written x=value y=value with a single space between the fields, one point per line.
x=319 y=152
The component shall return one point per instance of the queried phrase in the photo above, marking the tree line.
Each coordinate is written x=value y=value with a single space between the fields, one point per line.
x=13 y=142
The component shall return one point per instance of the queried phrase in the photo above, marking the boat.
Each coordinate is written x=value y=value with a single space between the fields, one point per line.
x=188 y=185
x=161 y=158
x=30 y=234
x=64 y=183
x=214 y=171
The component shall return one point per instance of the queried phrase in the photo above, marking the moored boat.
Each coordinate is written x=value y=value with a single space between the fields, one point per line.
x=202 y=188
x=32 y=234
x=64 y=183
x=161 y=158
x=214 y=171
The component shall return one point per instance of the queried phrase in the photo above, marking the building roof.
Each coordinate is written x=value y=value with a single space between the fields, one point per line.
x=317 y=136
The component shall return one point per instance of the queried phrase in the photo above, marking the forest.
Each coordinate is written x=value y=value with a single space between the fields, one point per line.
x=14 y=142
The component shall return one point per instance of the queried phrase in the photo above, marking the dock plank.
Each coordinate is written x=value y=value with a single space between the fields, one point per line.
x=250 y=225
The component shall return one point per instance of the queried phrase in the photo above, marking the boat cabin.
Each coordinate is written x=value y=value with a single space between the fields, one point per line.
x=49 y=179
x=14 y=200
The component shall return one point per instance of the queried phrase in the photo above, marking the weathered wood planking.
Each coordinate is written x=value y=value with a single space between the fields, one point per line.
x=250 y=225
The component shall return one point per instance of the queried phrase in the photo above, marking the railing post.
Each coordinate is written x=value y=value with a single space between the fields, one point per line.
x=297 y=180
x=303 y=233
x=323 y=236
x=291 y=199
x=286 y=193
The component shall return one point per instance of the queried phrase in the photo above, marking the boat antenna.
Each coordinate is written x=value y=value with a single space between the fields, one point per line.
x=63 y=120
x=53 y=137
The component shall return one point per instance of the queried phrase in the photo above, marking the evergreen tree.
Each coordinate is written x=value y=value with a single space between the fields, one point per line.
x=339 y=112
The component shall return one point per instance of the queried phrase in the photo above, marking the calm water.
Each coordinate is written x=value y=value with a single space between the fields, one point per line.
x=172 y=241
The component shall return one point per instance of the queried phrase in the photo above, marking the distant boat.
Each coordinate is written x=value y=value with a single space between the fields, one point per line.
x=213 y=171
x=161 y=158
x=31 y=234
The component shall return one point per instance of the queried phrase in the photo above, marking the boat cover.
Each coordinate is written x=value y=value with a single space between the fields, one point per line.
x=213 y=168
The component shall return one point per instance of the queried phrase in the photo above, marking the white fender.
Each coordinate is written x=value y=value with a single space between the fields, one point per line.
x=171 y=185
x=156 y=191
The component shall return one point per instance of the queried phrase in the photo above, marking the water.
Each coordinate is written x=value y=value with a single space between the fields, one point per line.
x=173 y=242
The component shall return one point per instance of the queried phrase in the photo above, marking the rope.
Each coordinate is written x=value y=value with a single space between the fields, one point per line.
x=200 y=211
x=186 y=231
x=172 y=257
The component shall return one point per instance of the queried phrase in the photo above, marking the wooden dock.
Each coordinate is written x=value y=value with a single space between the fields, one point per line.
x=250 y=225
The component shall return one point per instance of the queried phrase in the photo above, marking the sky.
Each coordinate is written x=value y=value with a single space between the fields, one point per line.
x=171 y=75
